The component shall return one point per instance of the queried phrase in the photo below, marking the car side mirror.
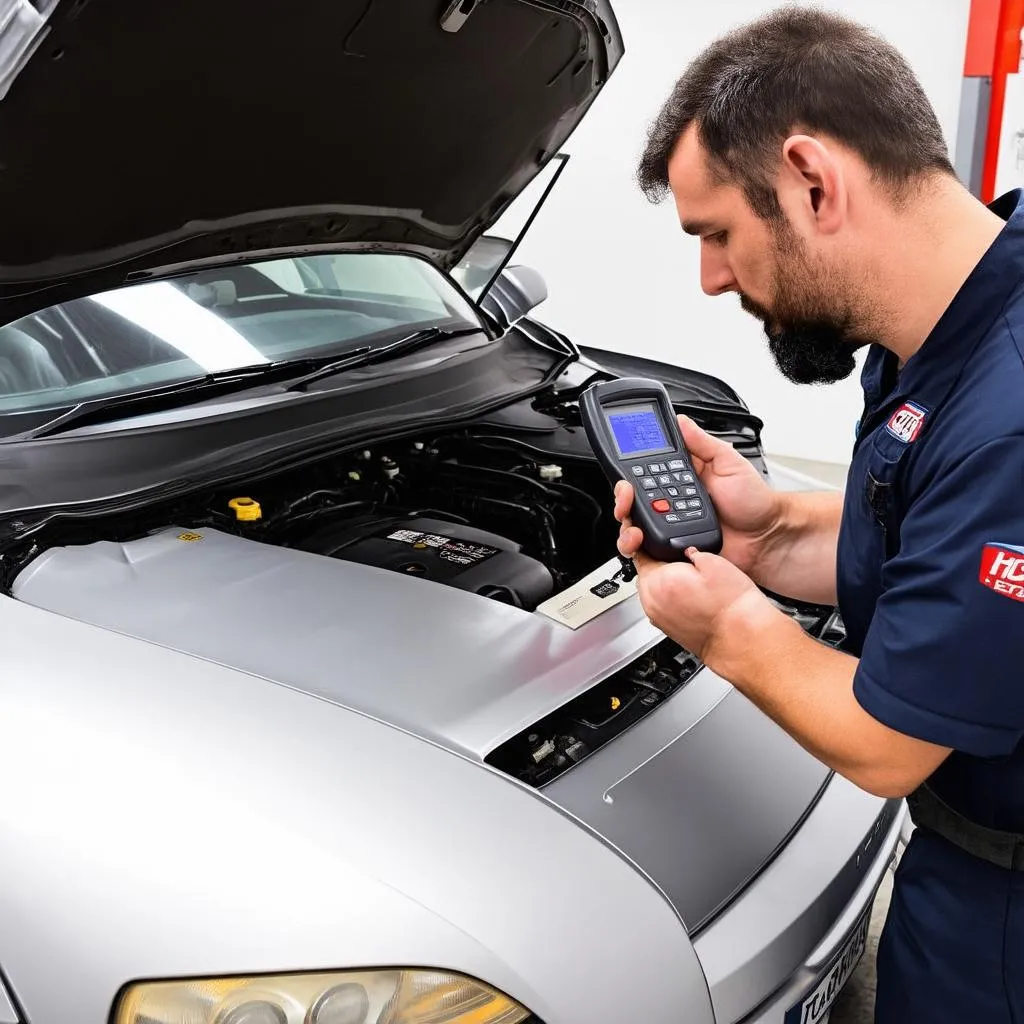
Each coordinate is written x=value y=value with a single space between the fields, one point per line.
x=517 y=292
x=526 y=287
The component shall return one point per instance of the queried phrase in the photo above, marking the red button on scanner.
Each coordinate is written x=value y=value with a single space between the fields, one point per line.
x=660 y=505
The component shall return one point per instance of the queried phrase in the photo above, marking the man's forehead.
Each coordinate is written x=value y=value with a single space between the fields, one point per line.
x=693 y=186
x=688 y=148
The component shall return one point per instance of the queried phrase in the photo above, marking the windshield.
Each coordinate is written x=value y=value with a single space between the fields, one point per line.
x=151 y=334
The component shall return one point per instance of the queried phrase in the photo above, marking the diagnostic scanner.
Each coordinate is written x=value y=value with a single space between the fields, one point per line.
x=633 y=430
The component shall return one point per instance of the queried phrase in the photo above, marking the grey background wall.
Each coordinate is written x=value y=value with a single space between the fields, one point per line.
x=621 y=273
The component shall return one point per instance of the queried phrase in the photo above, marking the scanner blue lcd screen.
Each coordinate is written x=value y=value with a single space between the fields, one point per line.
x=638 y=430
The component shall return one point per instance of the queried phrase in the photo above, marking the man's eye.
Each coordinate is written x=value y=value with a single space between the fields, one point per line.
x=718 y=238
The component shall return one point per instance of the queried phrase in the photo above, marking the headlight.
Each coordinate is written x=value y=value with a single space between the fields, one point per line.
x=347 y=997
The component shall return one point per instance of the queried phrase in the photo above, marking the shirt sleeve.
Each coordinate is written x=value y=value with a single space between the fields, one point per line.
x=943 y=659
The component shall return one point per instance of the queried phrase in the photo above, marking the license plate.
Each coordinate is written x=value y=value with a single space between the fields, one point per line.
x=814 y=1008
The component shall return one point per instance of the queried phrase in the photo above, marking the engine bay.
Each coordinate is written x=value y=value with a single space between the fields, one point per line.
x=486 y=515
x=492 y=517
x=483 y=512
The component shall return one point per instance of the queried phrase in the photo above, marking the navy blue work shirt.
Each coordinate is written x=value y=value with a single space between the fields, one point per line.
x=930 y=568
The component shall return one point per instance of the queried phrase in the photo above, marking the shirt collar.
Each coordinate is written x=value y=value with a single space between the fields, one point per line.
x=930 y=373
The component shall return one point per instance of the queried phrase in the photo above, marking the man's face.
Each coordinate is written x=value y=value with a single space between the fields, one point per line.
x=804 y=298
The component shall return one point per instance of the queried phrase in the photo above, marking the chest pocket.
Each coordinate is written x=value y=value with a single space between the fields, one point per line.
x=882 y=491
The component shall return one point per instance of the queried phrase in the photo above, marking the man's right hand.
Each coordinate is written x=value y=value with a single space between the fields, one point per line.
x=748 y=509
x=783 y=541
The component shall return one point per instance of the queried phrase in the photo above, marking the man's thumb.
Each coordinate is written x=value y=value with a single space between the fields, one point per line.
x=700 y=559
x=700 y=443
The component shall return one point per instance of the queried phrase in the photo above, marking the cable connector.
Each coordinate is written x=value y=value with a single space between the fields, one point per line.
x=628 y=570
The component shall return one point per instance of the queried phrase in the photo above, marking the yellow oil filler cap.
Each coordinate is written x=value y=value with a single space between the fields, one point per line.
x=246 y=510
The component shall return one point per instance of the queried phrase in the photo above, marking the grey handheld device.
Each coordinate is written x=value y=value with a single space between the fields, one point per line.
x=633 y=430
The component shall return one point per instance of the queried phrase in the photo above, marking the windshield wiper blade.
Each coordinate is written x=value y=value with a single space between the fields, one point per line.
x=169 y=396
x=365 y=357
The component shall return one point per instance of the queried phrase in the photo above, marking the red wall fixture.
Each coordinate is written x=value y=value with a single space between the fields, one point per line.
x=992 y=52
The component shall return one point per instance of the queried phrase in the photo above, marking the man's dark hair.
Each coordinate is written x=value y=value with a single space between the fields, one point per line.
x=797 y=69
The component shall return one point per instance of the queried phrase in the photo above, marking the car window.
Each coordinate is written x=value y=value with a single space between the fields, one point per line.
x=477 y=268
x=159 y=332
x=369 y=275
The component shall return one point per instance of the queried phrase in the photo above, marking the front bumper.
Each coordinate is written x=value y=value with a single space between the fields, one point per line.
x=772 y=946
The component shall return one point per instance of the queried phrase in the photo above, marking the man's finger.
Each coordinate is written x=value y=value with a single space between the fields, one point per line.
x=630 y=545
x=701 y=444
x=623 y=500
x=630 y=540
x=644 y=563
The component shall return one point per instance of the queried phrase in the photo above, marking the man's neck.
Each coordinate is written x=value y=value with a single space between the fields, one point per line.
x=938 y=240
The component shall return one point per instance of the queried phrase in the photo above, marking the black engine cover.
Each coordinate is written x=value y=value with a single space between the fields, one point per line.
x=455 y=555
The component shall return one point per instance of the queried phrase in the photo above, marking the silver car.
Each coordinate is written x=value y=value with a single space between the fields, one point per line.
x=322 y=699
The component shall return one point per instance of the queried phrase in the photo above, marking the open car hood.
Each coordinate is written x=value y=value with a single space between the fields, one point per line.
x=135 y=137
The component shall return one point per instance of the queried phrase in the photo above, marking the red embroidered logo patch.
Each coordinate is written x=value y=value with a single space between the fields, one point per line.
x=1002 y=570
x=906 y=422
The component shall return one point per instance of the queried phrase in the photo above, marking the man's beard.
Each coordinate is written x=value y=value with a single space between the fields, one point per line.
x=811 y=328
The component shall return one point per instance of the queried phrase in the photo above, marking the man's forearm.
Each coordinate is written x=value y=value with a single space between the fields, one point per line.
x=798 y=558
x=807 y=688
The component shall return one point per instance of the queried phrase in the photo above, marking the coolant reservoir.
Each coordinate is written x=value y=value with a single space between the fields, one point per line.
x=246 y=510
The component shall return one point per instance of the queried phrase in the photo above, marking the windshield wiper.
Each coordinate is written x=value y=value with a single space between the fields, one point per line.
x=365 y=357
x=222 y=382
x=169 y=396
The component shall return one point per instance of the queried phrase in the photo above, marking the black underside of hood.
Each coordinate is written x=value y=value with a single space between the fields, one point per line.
x=143 y=134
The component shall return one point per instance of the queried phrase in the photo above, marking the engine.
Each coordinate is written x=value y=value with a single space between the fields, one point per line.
x=482 y=515
x=449 y=553
x=486 y=515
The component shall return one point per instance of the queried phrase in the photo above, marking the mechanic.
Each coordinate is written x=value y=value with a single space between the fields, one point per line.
x=803 y=153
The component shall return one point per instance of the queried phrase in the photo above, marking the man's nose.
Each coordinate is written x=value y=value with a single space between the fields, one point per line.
x=716 y=276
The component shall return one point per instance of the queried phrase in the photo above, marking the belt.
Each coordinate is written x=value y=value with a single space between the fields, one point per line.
x=1003 y=849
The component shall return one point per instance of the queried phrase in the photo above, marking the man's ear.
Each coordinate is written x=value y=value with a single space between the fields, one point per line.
x=813 y=183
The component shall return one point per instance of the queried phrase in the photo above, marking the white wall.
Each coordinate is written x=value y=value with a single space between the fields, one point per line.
x=621 y=273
